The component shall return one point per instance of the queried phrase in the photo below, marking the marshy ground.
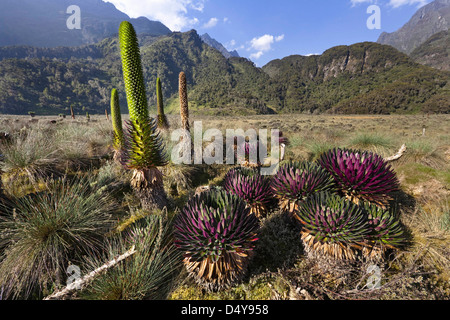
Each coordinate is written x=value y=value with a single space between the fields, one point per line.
x=44 y=148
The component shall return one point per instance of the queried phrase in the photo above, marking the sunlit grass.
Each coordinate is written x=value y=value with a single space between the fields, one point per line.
x=149 y=274
x=47 y=231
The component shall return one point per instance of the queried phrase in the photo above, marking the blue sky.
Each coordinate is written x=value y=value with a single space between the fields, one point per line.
x=264 y=30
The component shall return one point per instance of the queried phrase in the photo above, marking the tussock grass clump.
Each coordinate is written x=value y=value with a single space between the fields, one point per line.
x=373 y=142
x=429 y=249
x=178 y=177
x=27 y=160
x=279 y=244
x=149 y=274
x=80 y=141
x=47 y=231
x=424 y=151
x=432 y=220
x=316 y=148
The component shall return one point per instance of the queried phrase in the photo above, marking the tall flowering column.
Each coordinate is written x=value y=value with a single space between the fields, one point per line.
x=145 y=150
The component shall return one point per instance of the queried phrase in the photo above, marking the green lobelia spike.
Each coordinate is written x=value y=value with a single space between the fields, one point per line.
x=132 y=72
x=116 y=121
x=144 y=146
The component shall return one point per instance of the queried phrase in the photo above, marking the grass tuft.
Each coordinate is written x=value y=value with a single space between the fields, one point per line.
x=149 y=274
x=47 y=231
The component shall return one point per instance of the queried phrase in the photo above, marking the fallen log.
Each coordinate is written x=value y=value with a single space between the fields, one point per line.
x=398 y=155
x=60 y=294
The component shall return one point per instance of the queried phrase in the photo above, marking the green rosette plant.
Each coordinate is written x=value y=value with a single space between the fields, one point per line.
x=254 y=188
x=386 y=231
x=217 y=234
x=361 y=175
x=296 y=181
x=332 y=226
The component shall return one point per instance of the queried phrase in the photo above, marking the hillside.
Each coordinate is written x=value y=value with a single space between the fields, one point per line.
x=48 y=81
x=427 y=21
x=362 y=78
x=435 y=52
x=43 y=23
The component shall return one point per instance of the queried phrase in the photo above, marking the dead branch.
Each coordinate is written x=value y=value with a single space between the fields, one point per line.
x=398 y=155
x=59 y=294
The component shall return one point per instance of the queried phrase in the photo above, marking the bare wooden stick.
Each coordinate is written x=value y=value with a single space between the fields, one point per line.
x=59 y=294
x=398 y=155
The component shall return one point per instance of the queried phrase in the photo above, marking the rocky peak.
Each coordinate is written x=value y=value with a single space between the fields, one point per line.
x=206 y=38
x=427 y=21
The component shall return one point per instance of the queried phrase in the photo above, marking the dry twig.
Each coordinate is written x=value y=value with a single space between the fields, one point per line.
x=398 y=155
x=60 y=294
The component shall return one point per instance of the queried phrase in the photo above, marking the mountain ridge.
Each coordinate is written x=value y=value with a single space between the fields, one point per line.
x=362 y=78
x=43 y=23
x=435 y=52
x=427 y=21
x=217 y=45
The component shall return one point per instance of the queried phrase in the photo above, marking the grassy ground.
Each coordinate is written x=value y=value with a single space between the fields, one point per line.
x=279 y=269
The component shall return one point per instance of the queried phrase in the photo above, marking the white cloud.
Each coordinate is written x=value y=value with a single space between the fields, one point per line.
x=211 y=23
x=263 y=44
x=231 y=45
x=173 y=13
x=356 y=2
x=393 y=3
x=399 y=3
x=279 y=38
x=256 y=55
x=198 y=5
